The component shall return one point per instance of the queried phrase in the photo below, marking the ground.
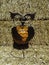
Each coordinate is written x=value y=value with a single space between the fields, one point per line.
x=34 y=55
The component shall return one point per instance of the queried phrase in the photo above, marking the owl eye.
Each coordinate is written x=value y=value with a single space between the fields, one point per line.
x=17 y=17
x=28 y=17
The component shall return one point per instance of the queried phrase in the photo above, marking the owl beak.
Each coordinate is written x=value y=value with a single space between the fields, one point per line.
x=23 y=19
x=22 y=22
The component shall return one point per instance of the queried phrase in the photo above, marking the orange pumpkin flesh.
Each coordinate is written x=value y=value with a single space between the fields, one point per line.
x=23 y=32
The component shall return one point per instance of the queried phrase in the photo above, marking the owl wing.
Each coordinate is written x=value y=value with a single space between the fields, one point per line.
x=31 y=33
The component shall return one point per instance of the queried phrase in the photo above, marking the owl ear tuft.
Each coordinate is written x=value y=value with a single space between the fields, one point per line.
x=12 y=15
x=33 y=16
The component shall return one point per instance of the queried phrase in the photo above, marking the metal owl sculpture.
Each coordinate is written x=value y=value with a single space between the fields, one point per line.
x=22 y=34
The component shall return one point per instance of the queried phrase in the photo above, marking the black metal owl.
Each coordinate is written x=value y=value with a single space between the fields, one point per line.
x=22 y=34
